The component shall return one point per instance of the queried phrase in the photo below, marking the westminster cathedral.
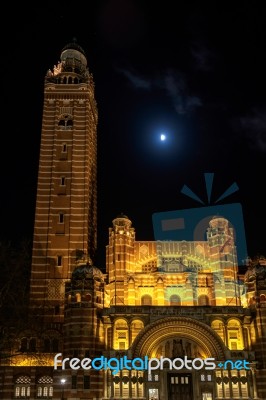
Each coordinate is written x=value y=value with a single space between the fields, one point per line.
x=182 y=301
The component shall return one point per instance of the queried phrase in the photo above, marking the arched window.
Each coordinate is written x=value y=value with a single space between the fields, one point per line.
x=218 y=326
x=46 y=345
x=203 y=300
x=57 y=310
x=55 y=345
x=262 y=298
x=146 y=300
x=87 y=297
x=24 y=344
x=32 y=344
x=22 y=387
x=121 y=335
x=175 y=300
x=61 y=217
x=45 y=387
x=136 y=327
x=65 y=120
x=234 y=332
x=98 y=299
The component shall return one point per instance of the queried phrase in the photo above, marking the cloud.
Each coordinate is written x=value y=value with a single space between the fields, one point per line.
x=202 y=57
x=171 y=82
x=136 y=81
x=176 y=88
x=254 y=128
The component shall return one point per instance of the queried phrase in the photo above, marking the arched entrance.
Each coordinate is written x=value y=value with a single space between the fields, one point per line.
x=179 y=339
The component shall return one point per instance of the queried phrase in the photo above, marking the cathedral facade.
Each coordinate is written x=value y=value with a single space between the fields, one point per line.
x=167 y=320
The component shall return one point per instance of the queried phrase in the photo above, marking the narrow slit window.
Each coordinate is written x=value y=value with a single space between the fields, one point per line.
x=61 y=218
x=74 y=382
x=63 y=181
x=86 y=382
x=64 y=149
x=59 y=261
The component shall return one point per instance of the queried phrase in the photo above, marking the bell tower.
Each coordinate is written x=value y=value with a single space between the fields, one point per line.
x=120 y=257
x=66 y=203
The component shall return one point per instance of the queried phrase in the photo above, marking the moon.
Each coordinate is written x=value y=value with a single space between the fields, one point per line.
x=162 y=137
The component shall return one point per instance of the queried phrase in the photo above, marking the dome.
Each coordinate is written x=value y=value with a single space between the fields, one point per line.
x=74 y=46
x=122 y=220
x=217 y=221
x=122 y=215
x=72 y=51
x=86 y=271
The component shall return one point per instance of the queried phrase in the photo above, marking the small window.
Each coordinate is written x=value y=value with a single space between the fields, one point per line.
x=203 y=300
x=61 y=218
x=233 y=345
x=46 y=345
x=86 y=382
x=55 y=345
x=24 y=344
x=63 y=181
x=262 y=298
x=57 y=310
x=175 y=300
x=87 y=297
x=64 y=148
x=32 y=344
x=59 y=261
x=146 y=300
x=74 y=382
x=122 y=345
x=87 y=353
x=98 y=299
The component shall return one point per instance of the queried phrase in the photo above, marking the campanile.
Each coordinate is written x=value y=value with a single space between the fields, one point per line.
x=65 y=229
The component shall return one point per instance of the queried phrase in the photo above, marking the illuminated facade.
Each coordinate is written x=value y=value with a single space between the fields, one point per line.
x=171 y=299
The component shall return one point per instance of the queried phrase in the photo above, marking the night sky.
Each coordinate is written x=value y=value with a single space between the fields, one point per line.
x=195 y=71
